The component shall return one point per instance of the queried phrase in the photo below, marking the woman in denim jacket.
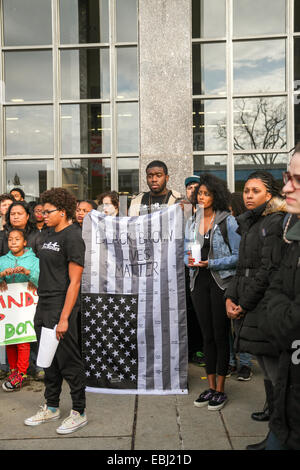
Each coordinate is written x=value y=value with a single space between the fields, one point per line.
x=212 y=228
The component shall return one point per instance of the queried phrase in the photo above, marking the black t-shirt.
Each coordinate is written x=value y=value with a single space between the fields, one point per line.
x=151 y=203
x=57 y=251
x=206 y=246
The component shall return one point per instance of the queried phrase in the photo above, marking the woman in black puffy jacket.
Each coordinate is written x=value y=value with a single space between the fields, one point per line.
x=260 y=254
x=280 y=323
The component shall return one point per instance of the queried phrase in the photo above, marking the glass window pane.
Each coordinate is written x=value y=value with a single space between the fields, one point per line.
x=128 y=128
x=33 y=176
x=215 y=164
x=21 y=27
x=82 y=22
x=29 y=130
x=126 y=20
x=86 y=178
x=259 y=66
x=256 y=17
x=297 y=16
x=244 y=165
x=127 y=76
x=84 y=74
x=209 y=125
x=208 y=17
x=28 y=75
x=85 y=128
x=209 y=69
x=259 y=123
x=128 y=175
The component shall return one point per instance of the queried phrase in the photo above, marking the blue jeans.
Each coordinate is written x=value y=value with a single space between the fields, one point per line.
x=274 y=444
x=244 y=358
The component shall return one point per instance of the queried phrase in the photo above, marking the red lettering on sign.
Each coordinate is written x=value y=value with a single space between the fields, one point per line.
x=11 y=300
x=28 y=299
x=2 y=302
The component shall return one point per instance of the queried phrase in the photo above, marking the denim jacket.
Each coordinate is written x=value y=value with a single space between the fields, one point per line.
x=221 y=260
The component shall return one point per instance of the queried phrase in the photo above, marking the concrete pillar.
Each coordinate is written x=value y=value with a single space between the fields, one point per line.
x=166 y=88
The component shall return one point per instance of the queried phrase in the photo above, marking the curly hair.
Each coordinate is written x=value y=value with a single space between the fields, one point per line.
x=30 y=223
x=218 y=189
x=62 y=199
x=113 y=195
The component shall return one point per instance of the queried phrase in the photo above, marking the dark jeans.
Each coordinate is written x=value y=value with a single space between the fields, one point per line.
x=67 y=363
x=209 y=303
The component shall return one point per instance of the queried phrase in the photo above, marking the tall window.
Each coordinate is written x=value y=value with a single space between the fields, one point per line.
x=243 y=86
x=71 y=99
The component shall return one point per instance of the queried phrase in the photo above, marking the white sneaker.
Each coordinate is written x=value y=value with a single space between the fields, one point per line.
x=72 y=423
x=44 y=415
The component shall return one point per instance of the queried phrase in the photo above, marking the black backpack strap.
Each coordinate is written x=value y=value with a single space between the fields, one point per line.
x=223 y=228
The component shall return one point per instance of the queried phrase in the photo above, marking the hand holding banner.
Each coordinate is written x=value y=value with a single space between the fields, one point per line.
x=17 y=310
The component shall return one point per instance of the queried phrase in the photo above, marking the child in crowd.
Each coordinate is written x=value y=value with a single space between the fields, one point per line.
x=20 y=264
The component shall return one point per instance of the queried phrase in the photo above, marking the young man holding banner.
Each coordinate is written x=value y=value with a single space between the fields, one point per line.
x=159 y=195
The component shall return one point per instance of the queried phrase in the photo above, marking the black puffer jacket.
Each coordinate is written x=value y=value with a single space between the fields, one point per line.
x=280 y=323
x=260 y=253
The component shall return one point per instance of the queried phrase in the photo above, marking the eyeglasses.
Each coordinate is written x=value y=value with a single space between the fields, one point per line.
x=49 y=212
x=294 y=179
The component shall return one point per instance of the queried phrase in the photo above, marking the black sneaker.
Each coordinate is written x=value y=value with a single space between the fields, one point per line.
x=217 y=402
x=231 y=370
x=198 y=359
x=244 y=373
x=204 y=398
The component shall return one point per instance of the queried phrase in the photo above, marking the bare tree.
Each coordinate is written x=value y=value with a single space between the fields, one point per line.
x=259 y=123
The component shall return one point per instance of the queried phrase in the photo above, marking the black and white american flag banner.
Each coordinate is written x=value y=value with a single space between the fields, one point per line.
x=134 y=332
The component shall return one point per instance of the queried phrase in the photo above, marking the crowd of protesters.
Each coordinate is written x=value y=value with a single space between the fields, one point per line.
x=241 y=252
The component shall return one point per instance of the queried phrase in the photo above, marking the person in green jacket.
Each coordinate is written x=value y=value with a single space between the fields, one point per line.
x=20 y=264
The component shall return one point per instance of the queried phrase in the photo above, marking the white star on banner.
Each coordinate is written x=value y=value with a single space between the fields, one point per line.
x=109 y=332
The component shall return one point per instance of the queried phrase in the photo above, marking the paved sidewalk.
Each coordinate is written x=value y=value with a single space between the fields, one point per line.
x=129 y=422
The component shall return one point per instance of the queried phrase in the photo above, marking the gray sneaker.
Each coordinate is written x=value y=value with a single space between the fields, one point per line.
x=44 y=415
x=72 y=423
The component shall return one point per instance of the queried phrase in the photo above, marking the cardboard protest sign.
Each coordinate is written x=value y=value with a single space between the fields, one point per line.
x=17 y=310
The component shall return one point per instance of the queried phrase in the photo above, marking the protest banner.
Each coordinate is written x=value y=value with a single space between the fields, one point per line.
x=134 y=333
x=17 y=310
